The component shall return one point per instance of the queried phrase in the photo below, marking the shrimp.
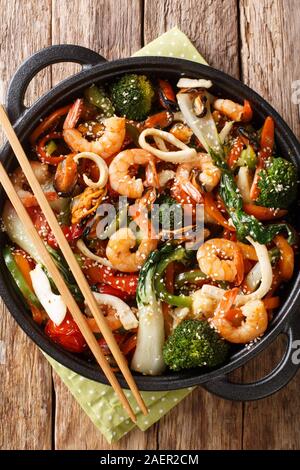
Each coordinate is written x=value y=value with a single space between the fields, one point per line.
x=253 y=325
x=209 y=176
x=108 y=144
x=44 y=177
x=221 y=260
x=233 y=110
x=204 y=306
x=119 y=177
x=118 y=250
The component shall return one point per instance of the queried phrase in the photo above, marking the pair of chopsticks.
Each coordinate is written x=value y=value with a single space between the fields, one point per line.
x=74 y=267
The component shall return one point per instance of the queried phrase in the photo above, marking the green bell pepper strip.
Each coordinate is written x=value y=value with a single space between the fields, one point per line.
x=133 y=132
x=248 y=158
x=179 y=254
x=98 y=98
x=66 y=273
x=245 y=225
x=19 y=279
x=50 y=147
x=189 y=277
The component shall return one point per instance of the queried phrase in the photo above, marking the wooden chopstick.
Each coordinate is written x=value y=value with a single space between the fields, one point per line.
x=63 y=289
x=70 y=258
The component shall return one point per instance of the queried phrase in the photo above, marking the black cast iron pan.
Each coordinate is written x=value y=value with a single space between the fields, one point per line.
x=96 y=69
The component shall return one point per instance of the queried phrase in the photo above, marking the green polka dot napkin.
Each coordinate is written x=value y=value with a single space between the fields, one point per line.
x=100 y=401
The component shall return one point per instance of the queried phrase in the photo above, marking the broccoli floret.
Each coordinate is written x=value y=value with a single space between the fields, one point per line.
x=194 y=344
x=277 y=183
x=132 y=96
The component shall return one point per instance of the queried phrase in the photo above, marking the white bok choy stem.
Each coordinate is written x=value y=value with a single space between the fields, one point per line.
x=204 y=128
x=148 y=356
x=266 y=278
x=53 y=304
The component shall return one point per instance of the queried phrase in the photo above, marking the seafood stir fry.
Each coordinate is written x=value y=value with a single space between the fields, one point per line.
x=175 y=203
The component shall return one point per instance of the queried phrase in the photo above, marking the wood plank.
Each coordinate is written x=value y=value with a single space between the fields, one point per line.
x=25 y=376
x=202 y=421
x=74 y=429
x=212 y=26
x=270 y=63
x=112 y=28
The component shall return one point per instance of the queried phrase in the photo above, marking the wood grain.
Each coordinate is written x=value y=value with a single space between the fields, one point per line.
x=211 y=26
x=270 y=63
x=25 y=377
x=74 y=430
x=110 y=27
x=202 y=421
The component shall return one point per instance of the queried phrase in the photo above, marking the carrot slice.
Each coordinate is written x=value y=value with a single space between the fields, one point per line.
x=264 y=213
x=271 y=303
x=248 y=251
x=212 y=210
x=235 y=152
x=286 y=261
x=24 y=266
x=247 y=112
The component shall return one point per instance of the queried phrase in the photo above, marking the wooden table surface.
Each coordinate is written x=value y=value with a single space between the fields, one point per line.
x=254 y=40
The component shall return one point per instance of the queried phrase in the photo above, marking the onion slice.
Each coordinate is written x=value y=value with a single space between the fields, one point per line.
x=86 y=252
x=123 y=311
x=225 y=131
x=52 y=303
x=102 y=166
x=194 y=83
x=185 y=154
x=253 y=277
x=204 y=128
x=266 y=278
x=244 y=183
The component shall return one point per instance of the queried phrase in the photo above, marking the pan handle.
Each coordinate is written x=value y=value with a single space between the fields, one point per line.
x=271 y=383
x=41 y=59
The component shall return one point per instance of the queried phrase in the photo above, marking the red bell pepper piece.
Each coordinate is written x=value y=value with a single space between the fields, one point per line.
x=48 y=122
x=67 y=334
x=72 y=232
x=43 y=155
x=107 y=289
x=101 y=274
